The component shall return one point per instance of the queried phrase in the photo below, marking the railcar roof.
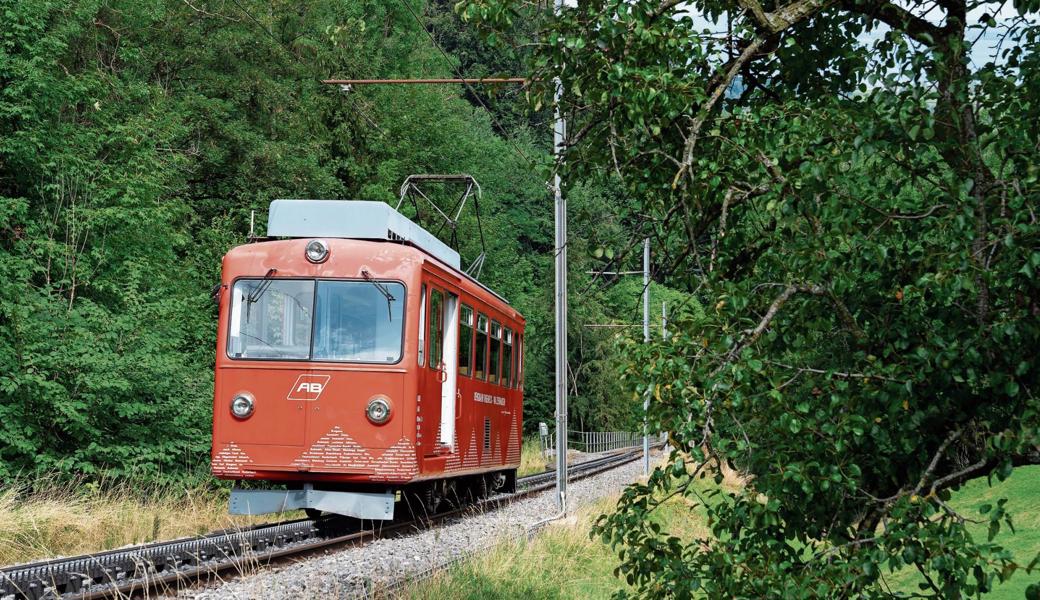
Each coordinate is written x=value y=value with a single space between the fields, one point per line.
x=353 y=219
x=405 y=247
x=360 y=220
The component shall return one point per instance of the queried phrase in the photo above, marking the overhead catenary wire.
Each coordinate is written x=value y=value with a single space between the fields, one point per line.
x=281 y=45
x=469 y=86
x=425 y=80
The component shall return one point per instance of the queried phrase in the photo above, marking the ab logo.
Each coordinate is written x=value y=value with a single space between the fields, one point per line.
x=308 y=387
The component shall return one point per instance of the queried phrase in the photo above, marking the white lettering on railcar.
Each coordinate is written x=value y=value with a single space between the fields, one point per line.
x=489 y=399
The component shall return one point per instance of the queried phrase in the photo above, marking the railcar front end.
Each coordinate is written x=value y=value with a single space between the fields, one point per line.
x=340 y=375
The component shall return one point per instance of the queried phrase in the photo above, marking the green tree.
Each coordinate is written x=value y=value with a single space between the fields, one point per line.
x=855 y=205
x=136 y=139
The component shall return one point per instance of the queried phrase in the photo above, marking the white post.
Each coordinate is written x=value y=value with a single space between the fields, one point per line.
x=646 y=338
x=561 y=298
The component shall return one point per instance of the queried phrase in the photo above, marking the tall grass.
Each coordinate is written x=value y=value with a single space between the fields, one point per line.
x=562 y=562
x=62 y=518
x=531 y=458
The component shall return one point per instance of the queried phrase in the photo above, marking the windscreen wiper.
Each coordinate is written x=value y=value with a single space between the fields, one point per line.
x=258 y=291
x=382 y=290
x=262 y=287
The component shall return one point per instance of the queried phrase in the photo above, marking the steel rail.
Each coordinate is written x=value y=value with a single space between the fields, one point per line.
x=187 y=561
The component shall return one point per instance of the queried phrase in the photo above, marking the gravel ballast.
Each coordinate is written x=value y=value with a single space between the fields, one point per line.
x=348 y=573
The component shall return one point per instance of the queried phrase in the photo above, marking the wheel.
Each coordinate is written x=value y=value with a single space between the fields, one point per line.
x=432 y=499
x=424 y=501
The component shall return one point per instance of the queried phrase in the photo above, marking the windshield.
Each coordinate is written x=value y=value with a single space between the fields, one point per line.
x=351 y=321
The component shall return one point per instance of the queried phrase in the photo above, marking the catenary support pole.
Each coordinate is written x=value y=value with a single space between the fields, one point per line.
x=561 y=296
x=646 y=339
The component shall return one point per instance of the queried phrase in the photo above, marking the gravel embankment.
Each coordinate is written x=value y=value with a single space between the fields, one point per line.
x=349 y=572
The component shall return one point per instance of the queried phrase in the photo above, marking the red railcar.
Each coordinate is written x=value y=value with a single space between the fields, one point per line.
x=361 y=365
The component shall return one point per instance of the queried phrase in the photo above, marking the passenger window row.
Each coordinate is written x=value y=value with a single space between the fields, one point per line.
x=488 y=351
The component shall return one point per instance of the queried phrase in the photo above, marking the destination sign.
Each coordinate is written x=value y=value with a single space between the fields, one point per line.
x=489 y=399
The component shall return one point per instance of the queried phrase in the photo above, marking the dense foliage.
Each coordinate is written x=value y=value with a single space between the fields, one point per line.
x=135 y=140
x=851 y=189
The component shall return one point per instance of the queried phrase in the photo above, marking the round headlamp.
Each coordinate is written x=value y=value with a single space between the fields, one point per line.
x=242 y=405
x=317 y=251
x=378 y=411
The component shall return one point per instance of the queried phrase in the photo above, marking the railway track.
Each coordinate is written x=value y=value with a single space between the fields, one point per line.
x=185 y=562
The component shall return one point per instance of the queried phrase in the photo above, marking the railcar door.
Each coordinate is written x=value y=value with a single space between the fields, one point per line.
x=436 y=417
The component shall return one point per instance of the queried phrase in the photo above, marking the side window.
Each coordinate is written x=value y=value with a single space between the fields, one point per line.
x=436 y=328
x=422 y=326
x=480 y=361
x=496 y=351
x=507 y=357
x=465 y=340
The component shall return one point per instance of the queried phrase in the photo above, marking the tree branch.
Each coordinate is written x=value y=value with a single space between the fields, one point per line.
x=785 y=16
x=846 y=317
x=763 y=324
x=842 y=374
x=897 y=18
x=936 y=458
x=732 y=69
x=722 y=229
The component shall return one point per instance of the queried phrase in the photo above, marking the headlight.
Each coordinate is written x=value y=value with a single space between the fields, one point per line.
x=242 y=406
x=378 y=411
x=317 y=251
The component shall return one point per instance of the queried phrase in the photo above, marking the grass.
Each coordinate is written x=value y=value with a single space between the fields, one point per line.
x=561 y=562
x=564 y=563
x=1022 y=490
x=531 y=458
x=62 y=519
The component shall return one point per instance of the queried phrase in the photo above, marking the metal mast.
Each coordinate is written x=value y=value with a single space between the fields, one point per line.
x=646 y=339
x=559 y=132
